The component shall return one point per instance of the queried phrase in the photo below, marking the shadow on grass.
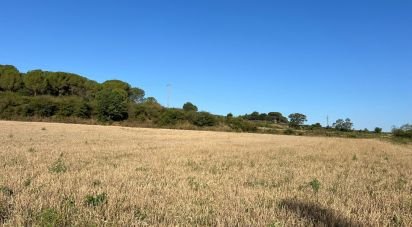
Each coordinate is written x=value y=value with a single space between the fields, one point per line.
x=318 y=215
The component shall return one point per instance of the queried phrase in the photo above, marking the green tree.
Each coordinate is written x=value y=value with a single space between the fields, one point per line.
x=171 y=117
x=343 y=125
x=116 y=84
x=378 y=130
x=404 y=131
x=150 y=100
x=147 y=111
x=136 y=95
x=10 y=78
x=35 y=81
x=203 y=119
x=189 y=107
x=277 y=117
x=41 y=106
x=112 y=105
x=296 y=120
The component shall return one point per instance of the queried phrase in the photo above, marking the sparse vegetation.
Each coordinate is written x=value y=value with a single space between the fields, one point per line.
x=96 y=200
x=48 y=217
x=315 y=185
x=58 y=166
x=6 y=191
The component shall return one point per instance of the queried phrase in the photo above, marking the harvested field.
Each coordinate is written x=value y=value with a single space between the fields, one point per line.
x=65 y=174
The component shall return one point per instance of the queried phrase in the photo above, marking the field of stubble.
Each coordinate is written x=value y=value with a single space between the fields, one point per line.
x=63 y=174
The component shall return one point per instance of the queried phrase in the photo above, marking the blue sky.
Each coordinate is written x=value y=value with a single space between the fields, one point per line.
x=338 y=58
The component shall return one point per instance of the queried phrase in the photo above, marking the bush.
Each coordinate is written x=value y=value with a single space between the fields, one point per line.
x=402 y=133
x=147 y=111
x=112 y=105
x=43 y=106
x=171 y=117
x=204 y=119
x=10 y=104
x=241 y=125
x=289 y=132
x=189 y=107
x=75 y=107
x=378 y=130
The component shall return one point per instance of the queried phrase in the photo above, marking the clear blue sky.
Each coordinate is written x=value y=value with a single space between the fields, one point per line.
x=338 y=58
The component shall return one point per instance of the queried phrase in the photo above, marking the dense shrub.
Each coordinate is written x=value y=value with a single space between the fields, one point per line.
x=189 y=107
x=203 y=119
x=75 y=107
x=10 y=78
x=378 y=130
x=42 y=107
x=238 y=124
x=343 y=125
x=404 y=132
x=289 y=132
x=112 y=105
x=171 y=117
x=146 y=111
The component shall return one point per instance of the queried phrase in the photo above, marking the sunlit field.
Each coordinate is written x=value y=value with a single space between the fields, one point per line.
x=66 y=174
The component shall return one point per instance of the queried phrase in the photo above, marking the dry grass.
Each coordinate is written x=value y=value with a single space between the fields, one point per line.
x=62 y=174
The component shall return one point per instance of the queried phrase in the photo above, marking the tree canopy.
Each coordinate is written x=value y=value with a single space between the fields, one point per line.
x=296 y=120
x=343 y=125
x=189 y=107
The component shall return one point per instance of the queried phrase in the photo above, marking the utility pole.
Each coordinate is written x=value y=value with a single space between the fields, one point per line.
x=169 y=93
x=327 y=120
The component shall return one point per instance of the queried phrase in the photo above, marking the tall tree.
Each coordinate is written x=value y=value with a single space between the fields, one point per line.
x=35 y=81
x=296 y=120
x=112 y=105
x=10 y=78
x=343 y=125
x=136 y=95
x=189 y=107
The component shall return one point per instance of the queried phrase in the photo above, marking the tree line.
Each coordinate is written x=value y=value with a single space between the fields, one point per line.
x=63 y=96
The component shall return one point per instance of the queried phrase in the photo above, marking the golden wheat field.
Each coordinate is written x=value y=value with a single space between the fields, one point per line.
x=64 y=174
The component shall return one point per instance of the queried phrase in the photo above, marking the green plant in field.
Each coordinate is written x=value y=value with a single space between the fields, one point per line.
x=275 y=224
x=31 y=150
x=397 y=220
x=27 y=182
x=354 y=158
x=6 y=191
x=315 y=185
x=48 y=217
x=142 y=169
x=400 y=183
x=96 y=183
x=96 y=200
x=58 y=166
x=140 y=214
x=69 y=201
x=5 y=211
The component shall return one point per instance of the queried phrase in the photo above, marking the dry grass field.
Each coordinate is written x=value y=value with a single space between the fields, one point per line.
x=64 y=174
